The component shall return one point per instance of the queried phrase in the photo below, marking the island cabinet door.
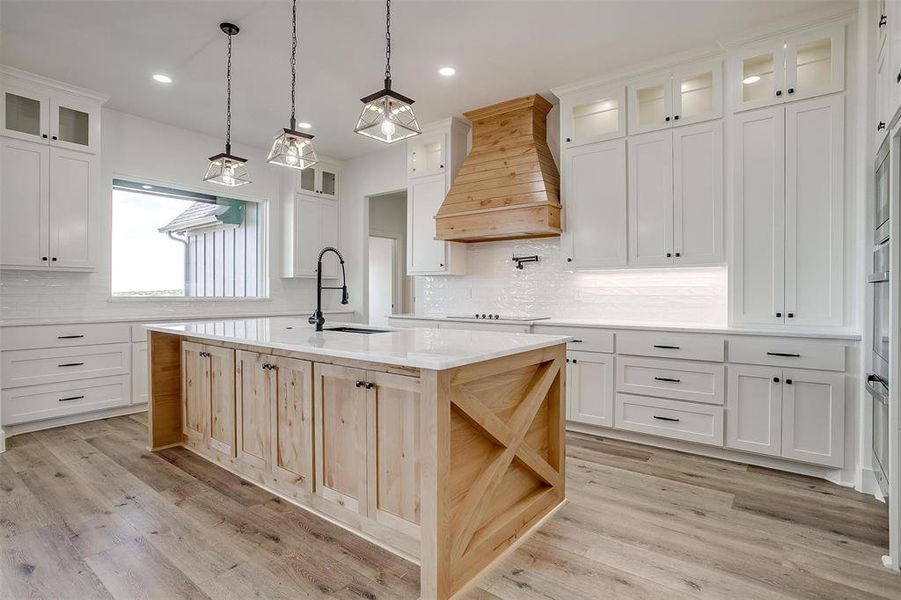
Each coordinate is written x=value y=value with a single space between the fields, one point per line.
x=208 y=373
x=341 y=410
x=255 y=384
x=292 y=422
x=393 y=439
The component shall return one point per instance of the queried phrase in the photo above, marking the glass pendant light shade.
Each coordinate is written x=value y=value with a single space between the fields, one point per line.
x=227 y=170
x=387 y=116
x=293 y=149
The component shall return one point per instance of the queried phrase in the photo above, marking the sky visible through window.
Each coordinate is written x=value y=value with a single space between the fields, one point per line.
x=145 y=261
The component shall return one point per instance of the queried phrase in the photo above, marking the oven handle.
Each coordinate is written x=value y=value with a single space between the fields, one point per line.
x=871 y=389
x=880 y=277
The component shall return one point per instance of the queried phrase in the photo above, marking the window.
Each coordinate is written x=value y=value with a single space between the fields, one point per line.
x=172 y=243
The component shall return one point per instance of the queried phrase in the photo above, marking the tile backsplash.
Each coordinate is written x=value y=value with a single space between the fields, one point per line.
x=551 y=288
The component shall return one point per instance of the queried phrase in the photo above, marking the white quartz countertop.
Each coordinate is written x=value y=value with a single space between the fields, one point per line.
x=159 y=317
x=435 y=349
x=791 y=331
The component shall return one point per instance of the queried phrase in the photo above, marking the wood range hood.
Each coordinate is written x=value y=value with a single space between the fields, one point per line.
x=508 y=187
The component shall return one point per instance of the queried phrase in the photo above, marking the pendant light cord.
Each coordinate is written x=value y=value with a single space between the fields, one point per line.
x=387 y=41
x=228 y=96
x=293 y=59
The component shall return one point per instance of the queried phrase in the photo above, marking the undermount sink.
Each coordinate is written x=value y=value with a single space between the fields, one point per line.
x=364 y=330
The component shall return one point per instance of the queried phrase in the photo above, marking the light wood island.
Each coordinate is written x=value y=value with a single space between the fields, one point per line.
x=445 y=447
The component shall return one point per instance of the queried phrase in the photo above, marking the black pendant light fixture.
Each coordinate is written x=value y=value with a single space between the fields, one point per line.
x=387 y=116
x=293 y=148
x=226 y=169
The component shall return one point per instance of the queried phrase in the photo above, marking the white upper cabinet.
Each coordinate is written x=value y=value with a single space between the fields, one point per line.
x=595 y=201
x=24 y=203
x=593 y=115
x=676 y=196
x=424 y=198
x=691 y=94
x=321 y=179
x=433 y=159
x=804 y=65
x=72 y=185
x=74 y=123
x=26 y=112
x=310 y=224
x=426 y=155
x=789 y=214
x=36 y=113
x=651 y=199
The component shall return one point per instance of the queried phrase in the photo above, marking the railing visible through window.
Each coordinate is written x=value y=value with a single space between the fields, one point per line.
x=173 y=243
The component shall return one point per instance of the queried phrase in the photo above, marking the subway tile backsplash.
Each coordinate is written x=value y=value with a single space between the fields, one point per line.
x=551 y=288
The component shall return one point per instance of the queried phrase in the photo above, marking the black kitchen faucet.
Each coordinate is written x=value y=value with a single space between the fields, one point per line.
x=316 y=318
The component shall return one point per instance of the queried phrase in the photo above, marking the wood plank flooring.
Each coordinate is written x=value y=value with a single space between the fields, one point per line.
x=87 y=512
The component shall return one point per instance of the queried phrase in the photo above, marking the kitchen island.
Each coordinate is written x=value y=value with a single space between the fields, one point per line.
x=445 y=447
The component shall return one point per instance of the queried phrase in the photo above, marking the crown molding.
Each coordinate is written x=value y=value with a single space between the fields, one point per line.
x=7 y=71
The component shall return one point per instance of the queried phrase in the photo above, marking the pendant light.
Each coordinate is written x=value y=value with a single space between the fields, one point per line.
x=226 y=169
x=387 y=116
x=293 y=148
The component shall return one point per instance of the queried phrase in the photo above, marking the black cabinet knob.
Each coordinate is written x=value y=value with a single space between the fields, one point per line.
x=778 y=92
x=898 y=77
x=569 y=139
x=567 y=360
x=44 y=135
x=676 y=118
x=53 y=137
x=882 y=20
x=775 y=380
x=359 y=384
x=441 y=265
x=666 y=119
x=369 y=386
x=788 y=381
x=678 y=254
x=669 y=254
x=440 y=166
x=880 y=126
x=778 y=315
x=791 y=90
x=569 y=260
x=575 y=361
x=44 y=258
x=790 y=315
x=53 y=259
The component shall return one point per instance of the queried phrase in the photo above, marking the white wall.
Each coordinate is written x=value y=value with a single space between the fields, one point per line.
x=148 y=151
x=383 y=171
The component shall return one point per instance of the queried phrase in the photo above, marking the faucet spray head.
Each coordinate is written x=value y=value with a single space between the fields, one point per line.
x=345 y=298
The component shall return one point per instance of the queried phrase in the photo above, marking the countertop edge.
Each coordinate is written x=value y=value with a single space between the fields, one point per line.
x=438 y=365
x=141 y=319
x=725 y=330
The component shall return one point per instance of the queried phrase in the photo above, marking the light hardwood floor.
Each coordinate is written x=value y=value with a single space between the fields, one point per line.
x=87 y=512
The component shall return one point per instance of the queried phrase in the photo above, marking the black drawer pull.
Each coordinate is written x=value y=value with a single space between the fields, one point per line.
x=68 y=337
x=69 y=399
x=666 y=347
x=668 y=379
x=786 y=354
x=576 y=341
x=78 y=364
x=671 y=419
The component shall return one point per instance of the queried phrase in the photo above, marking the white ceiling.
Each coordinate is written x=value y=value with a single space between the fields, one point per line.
x=501 y=50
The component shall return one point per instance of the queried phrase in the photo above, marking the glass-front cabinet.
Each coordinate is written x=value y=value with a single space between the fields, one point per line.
x=690 y=94
x=320 y=179
x=808 y=64
x=426 y=155
x=593 y=115
x=57 y=118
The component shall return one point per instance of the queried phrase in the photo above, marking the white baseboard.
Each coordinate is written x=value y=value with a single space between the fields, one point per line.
x=830 y=474
x=11 y=430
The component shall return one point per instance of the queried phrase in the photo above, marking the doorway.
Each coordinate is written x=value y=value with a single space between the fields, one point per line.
x=382 y=279
x=390 y=291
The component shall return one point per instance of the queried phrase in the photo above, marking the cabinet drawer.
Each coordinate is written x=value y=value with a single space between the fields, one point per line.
x=671 y=345
x=477 y=326
x=676 y=379
x=62 y=336
x=49 y=365
x=784 y=352
x=33 y=403
x=586 y=340
x=687 y=421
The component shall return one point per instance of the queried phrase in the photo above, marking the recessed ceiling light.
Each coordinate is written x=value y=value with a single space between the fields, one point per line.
x=447 y=71
x=304 y=125
x=751 y=79
x=161 y=78
x=147 y=187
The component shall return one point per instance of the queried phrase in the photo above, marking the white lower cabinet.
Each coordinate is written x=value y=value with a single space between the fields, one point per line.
x=793 y=413
x=688 y=421
x=38 y=402
x=139 y=373
x=589 y=393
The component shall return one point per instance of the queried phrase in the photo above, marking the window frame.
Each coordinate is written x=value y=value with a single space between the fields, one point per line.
x=263 y=278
